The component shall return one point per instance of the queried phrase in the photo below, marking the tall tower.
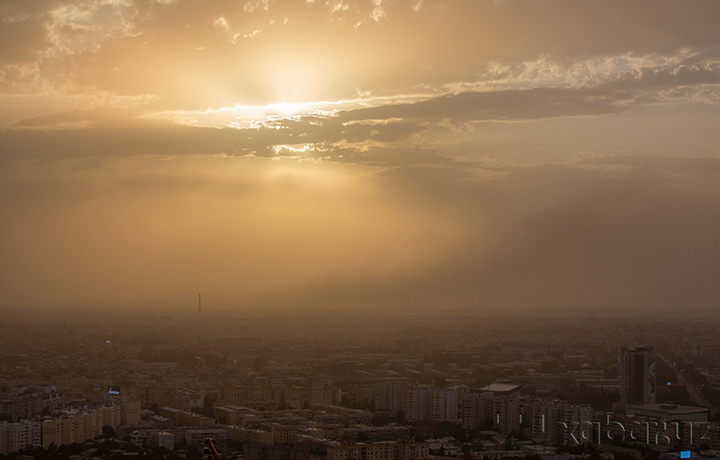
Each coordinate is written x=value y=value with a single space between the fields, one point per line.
x=199 y=304
x=637 y=375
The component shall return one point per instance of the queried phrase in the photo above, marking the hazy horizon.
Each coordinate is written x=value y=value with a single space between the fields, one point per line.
x=506 y=157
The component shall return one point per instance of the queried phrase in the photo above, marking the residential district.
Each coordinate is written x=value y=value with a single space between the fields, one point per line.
x=357 y=388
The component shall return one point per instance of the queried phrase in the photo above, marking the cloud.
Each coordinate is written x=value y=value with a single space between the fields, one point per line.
x=115 y=47
x=677 y=165
x=497 y=105
x=511 y=154
x=27 y=36
x=395 y=127
x=114 y=132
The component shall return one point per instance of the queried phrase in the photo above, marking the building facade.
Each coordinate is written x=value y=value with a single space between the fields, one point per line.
x=638 y=379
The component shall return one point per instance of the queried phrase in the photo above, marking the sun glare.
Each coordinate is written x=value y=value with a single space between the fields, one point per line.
x=291 y=79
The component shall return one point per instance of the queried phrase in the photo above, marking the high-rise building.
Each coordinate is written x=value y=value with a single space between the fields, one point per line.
x=559 y=423
x=477 y=410
x=418 y=403
x=18 y=436
x=444 y=404
x=637 y=375
x=425 y=402
x=506 y=413
x=577 y=424
x=390 y=396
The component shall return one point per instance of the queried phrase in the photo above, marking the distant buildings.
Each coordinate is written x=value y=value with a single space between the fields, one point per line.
x=167 y=396
x=272 y=398
x=493 y=405
x=27 y=401
x=18 y=436
x=559 y=423
x=638 y=380
x=171 y=438
x=426 y=402
x=376 y=433
x=186 y=418
x=386 y=450
x=79 y=425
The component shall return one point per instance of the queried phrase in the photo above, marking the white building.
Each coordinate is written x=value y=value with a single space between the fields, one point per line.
x=444 y=404
x=557 y=423
x=418 y=403
x=18 y=436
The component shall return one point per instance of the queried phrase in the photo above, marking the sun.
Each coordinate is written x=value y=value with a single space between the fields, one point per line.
x=291 y=79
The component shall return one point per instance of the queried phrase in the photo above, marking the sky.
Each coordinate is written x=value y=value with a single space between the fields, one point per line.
x=475 y=156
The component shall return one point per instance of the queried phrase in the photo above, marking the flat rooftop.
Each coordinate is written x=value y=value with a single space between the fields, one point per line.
x=667 y=408
x=501 y=387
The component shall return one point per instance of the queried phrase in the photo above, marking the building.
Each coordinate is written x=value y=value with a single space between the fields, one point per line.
x=79 y=425
x=166 y=439
x=273 y=398
x=339 y=414
x=250 y=435
x=197 y=436
x=499 y=388
x=545 y=418
x=557 y=423
x=418 y=403
x=506 y=414
x=171 y=438
x=26 y=401
x=19 y=436
x=444 y=405
x=360 y=393
x=707 y=436
x=131 y=412
x=390 y=432
x=300 y=451
x=386 y=450
x=670 y=412
x=425 y=402
x=167 y=396
x=185 y=418
x=477 y=410
x=390 y=396
x=637 y=375
x=233 y=415
x=577 y=427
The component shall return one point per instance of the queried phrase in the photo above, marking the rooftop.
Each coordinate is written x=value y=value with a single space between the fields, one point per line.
x=502 y=387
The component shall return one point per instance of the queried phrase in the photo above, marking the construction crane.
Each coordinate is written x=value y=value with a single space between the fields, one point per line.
x=210 y=450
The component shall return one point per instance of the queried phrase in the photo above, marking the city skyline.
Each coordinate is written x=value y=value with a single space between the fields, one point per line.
x=488 y=157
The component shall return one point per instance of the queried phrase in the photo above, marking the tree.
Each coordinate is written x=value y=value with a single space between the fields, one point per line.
x=507 y=445
x=182 y=444
x=108 y=432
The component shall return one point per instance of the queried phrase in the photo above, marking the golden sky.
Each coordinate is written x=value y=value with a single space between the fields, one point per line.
x=463 y=155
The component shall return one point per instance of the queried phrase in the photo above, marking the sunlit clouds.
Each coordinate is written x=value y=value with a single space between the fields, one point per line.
x=483 y=156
